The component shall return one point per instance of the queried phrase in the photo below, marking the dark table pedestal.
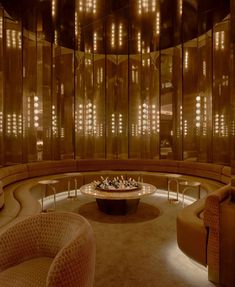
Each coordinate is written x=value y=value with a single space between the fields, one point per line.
x=118 y=207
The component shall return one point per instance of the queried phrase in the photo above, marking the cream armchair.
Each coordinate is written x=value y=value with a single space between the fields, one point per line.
x=54 y=249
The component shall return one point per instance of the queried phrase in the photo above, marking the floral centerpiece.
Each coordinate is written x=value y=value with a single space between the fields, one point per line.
x=119 y=184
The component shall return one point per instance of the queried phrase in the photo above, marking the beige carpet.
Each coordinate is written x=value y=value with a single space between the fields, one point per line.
x=138 y=250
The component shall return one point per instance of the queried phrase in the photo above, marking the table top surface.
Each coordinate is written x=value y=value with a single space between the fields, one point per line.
x=72 y=174
x=145 y=189
x=48 y=181
x=190 y=183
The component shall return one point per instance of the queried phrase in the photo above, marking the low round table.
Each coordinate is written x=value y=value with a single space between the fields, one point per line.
x=118 y=202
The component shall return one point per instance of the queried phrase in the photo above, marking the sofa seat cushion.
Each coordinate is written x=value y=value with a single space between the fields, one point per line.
x=29 y=273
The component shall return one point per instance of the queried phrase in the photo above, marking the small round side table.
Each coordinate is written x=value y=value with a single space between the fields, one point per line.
x=72 y=176
x=190 y=185
x=49 y=183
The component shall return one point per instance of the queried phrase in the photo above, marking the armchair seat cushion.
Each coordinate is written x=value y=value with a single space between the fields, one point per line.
x=29 y=273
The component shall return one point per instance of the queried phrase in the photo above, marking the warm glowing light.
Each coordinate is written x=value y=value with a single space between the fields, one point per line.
x=120 y=34
x=222 y=40
x=113 y=35
x=54 y=121
x=1 y=27
x=181 y=7
x=139 y=42
x=148 y=120
x=139 y=7
x=204 y=68
x=13 y=39
x=185 y=127
x=53 y=8
x=186 y=59
x=95 y=41
x=116 y=123
x=158 y=23
x=219 y=40
x=100 y=75
x=88 y=6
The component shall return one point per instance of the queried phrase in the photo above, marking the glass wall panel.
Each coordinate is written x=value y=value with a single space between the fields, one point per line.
x=221 y=92
x=13 y=92
x=166 y=113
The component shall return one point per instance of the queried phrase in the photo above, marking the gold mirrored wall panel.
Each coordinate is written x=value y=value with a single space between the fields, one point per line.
x=13 y=92
x=119 y=84
x=47 y=116
x=89 y=105
x=98 y=109
x=232 y=85
x=204 y=98
x=66 y=102
x=55 y=114
x=80 y=110
x=1 y=86
x=221 y=92
x=135 y=106
x=166 y=112
x=117 y=106
x=177 y=108
x=191 y=112
x=31 y=101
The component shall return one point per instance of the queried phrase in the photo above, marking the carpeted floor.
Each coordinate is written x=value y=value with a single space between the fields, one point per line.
x=140 y=249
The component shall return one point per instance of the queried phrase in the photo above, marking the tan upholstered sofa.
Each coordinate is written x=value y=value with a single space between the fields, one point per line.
x=198 y=230
x=54 y=249
x=154 y=171
x=193 y=230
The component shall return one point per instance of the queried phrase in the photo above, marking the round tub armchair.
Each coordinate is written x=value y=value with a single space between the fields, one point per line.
x=52 y=249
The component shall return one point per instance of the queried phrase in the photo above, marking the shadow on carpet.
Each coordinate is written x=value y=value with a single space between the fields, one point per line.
x=145 y=212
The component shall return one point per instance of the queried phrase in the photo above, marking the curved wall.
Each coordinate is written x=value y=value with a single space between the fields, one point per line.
x=98 y=101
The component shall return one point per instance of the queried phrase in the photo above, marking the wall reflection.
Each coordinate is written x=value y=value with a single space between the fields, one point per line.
x=117 y=91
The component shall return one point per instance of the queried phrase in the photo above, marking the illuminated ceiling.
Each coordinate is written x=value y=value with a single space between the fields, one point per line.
x=115 y=27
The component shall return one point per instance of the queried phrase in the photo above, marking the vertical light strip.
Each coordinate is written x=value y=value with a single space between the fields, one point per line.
x=53 y=7
x=120 y=35
x=1 y=27
x=186 y=59
x=113 y=35
x=158 y=23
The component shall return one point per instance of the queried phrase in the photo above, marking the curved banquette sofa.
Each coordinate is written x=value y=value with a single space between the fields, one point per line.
x=197 y=224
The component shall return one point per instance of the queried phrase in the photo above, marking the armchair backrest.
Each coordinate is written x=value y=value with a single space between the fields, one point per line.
x=66 y=237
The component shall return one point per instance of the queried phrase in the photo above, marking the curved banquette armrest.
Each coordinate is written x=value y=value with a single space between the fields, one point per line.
x=212 y=222
x=198 y=229
x=191 y=232
x=193 y=221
